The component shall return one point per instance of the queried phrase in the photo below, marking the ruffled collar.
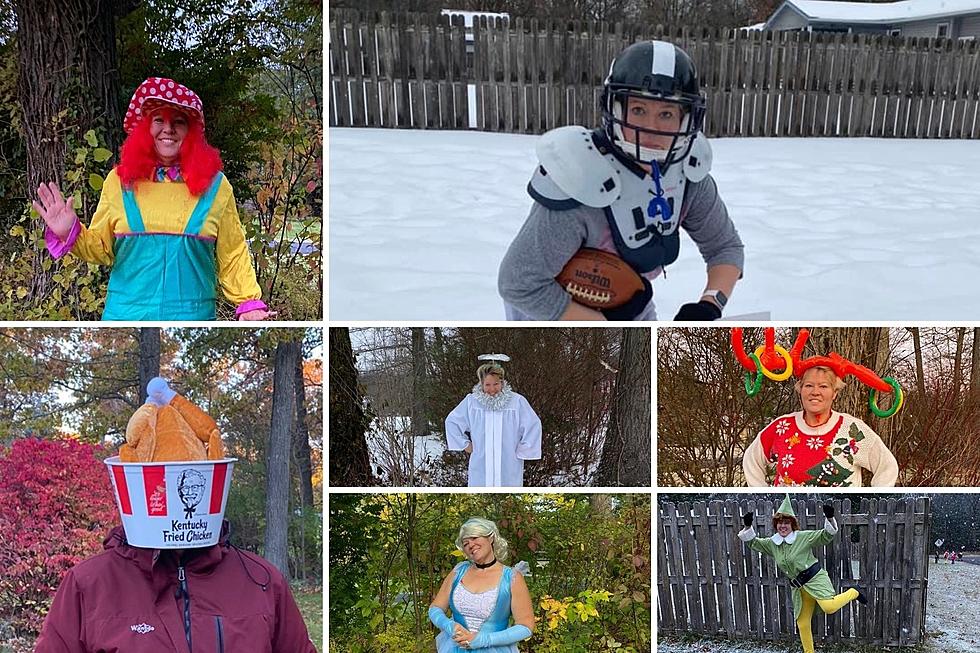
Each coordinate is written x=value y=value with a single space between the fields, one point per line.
x=498 y=401
x=779 y=539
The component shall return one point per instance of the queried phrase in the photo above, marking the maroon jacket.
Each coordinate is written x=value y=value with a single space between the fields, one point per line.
x=130 y=600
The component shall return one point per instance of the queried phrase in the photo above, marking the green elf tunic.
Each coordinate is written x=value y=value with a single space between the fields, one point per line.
x=793 y=555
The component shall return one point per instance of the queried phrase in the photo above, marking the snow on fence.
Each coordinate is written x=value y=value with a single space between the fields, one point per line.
x=528 y=76
x=709 y=582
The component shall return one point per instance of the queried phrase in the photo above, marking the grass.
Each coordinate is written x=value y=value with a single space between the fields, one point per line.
x=310 y=602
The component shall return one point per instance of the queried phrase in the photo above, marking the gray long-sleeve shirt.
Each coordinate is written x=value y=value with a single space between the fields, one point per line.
x=549 y=238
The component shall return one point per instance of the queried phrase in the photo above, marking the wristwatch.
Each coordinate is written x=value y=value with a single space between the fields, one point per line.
x=718 y=296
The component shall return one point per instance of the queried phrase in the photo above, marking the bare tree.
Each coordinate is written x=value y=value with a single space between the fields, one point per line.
x=626 y=452
x=277 y=455
x=958 y=362
x=149 y=358
x=920 y=379
x=419 y=423
x=975 y=365
x=301 y=437
x=350 y=463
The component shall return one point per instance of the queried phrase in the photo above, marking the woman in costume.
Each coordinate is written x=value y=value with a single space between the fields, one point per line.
x=792 y=550
x=482 y=595
x=166 y=222
x=496 y=426
x=818 y=446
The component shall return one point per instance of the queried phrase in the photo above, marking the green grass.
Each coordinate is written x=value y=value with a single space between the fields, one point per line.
x=310 y=602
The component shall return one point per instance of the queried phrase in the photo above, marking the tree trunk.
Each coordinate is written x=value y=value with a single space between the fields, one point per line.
x=626 y=451
x=68 y=60
x=350 y=463
x=301 y=438
x=600 y=505
x=958 y=362
x=438 y=342
x=277 y=456
x=420 y=425
x=68 y=63
x=920 y=377
x=975 y=365
x=149 y=363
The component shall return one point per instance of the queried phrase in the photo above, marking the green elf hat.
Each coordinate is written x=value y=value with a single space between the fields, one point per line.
x=786 y=510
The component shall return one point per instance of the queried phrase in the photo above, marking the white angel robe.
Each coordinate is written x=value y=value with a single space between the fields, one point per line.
x=504 y=430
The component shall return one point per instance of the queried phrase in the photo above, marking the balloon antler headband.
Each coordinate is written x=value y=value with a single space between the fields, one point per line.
x=774 y=362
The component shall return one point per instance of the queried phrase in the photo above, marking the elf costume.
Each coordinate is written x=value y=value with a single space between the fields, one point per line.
x=794 y=557
x=169 y=249
x=829 y=455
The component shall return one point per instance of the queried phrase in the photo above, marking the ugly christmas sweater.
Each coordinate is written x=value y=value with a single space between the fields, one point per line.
x=829 y=455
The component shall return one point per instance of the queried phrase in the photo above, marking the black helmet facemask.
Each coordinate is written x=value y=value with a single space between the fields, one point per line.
x=652 y=70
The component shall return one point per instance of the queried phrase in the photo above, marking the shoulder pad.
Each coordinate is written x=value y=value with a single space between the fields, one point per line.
x=544 y=191
x=570 y=158
x=697 y=165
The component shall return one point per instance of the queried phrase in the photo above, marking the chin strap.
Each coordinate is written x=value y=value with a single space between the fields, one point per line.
x=512 y=635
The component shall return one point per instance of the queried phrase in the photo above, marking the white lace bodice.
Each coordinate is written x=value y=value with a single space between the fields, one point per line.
x=476 y=608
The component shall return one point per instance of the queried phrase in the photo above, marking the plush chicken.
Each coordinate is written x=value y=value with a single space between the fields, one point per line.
x=168 y=428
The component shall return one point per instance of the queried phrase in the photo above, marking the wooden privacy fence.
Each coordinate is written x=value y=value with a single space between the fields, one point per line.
x=529 y=76
x=709 y=582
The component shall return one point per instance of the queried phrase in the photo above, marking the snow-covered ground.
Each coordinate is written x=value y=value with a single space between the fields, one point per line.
x=388 y=450
x=953 y=608
x=952 y=621
x=836 y=229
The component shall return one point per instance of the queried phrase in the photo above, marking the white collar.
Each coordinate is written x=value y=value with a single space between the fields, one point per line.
x=779 y=539
x=498 y=401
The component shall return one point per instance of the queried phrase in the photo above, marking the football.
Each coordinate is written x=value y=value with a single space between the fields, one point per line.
x=598 y=279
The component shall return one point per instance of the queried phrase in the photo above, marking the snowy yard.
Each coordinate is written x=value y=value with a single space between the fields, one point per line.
x=388 y=450
x=836 y=229
x=952 y=623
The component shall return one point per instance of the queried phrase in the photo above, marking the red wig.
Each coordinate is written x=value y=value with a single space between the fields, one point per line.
x=199 y=162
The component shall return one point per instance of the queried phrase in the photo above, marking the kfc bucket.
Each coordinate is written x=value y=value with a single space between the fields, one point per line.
x=177 y=505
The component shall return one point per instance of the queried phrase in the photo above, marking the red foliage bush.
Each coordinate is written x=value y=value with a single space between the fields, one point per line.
x=56 y=506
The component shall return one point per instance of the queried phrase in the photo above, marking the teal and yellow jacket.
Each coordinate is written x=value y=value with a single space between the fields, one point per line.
x=168 y=249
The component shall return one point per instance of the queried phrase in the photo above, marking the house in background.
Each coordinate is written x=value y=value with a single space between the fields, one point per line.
x=954 y=19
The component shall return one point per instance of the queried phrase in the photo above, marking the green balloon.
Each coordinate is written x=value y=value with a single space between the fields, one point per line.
x=752 y=389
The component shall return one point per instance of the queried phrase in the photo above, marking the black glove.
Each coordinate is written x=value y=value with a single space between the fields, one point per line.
x=633 y=307
x=703 y=311
x=748 y=519
x=828 y=511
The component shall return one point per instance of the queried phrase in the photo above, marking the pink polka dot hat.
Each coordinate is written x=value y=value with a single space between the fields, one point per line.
x=156 y=92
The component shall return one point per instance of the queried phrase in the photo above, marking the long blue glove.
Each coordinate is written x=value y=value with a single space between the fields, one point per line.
x=441 y=621
x=512 y=635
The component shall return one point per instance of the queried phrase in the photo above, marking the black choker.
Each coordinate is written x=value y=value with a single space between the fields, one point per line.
x=486 y=566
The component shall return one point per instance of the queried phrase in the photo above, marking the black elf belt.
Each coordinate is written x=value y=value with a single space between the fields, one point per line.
x=805 y=576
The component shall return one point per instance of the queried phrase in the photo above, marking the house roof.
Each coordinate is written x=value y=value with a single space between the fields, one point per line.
x=829 y=11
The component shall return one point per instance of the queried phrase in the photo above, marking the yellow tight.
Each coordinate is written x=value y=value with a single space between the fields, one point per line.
x=829 y=606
